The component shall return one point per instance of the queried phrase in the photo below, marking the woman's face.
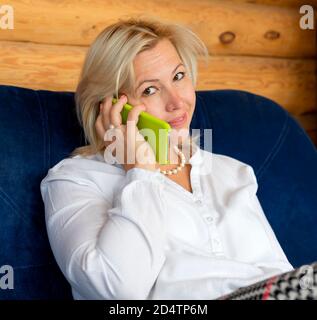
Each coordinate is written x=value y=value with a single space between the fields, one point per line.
x=163 y=85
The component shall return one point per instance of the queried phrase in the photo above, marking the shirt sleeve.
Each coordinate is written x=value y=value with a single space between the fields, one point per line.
x=107 y=249
x=278 y=262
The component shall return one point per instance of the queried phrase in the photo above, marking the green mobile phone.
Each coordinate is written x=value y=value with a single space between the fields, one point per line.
x=159 y=142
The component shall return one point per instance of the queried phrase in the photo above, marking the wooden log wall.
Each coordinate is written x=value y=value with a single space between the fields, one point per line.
x=254 y=45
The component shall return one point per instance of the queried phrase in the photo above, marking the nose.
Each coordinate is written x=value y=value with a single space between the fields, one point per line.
x=174 y=101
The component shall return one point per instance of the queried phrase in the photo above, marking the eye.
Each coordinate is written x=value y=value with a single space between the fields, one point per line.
x=149 y=91
x=179 y=76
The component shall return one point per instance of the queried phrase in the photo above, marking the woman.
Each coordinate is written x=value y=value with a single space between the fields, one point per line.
x=137 y=230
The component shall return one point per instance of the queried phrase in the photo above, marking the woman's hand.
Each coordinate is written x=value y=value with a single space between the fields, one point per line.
x=132 y=142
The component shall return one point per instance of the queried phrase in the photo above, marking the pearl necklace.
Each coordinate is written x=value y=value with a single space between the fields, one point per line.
x=178 y=168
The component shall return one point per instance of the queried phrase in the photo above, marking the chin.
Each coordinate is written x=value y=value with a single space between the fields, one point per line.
x=182 y=133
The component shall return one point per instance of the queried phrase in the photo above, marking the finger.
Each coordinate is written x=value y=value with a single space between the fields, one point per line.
x=107 y=103
x=135 y=113
x=115 y=116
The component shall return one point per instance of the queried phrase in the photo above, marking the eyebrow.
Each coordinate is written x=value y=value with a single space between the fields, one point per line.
x=155 y=80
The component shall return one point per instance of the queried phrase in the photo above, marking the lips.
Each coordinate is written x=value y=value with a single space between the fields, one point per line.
x=179 y=121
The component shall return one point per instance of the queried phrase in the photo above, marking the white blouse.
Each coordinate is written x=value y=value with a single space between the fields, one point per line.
x=140 y=235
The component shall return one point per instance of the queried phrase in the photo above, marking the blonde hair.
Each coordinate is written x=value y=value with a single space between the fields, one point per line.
x=108 y=66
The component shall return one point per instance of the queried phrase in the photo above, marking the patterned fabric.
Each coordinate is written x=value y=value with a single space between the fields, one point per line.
x=299 y=284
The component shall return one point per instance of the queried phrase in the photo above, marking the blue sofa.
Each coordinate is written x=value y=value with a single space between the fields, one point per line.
x=40 y=128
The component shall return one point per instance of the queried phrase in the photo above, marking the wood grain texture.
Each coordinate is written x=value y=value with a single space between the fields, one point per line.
x=279 y=3
x=259 y=30
x=289 y=82
x=39 y=66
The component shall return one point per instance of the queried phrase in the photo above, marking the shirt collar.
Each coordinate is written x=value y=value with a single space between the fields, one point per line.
x=196 y=158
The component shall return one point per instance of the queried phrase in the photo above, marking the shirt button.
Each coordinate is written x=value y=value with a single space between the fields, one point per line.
x=210 y=219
